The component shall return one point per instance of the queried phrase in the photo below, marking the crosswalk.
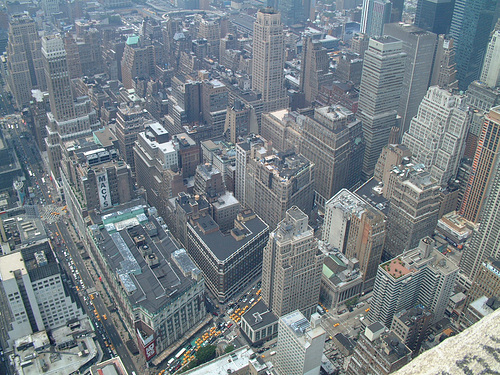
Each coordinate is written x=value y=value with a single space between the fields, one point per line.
x=51 y=213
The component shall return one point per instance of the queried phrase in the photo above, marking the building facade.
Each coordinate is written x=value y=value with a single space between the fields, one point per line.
x=300 y=344
x=436 y=136
x=419 y=46
x=33 y=294
x=228 y=262
x=420 y=276
x=413 y=211
x=380 y=89
x=292 y=264
x=357 y=229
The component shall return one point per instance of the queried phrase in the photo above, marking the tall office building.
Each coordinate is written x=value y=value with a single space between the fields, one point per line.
x=413 y=212
x=491 y=65
x=244 y=152
x=375 y=14
x=333 y=141
x=381 y=83
x=277 y=182
x=444 y=70
x=436 y=136
x=434 y=15
x=484 y=169
x=57 y=76
x=294 y=12
x=314 y=68
x=292 y=265
x=419 y=276
x=33 y=294
x=357 y=229
x=138 y=60
x=69 y=119
x=485 y=241
x=24 y=62
x=480 y=99
x=419 y=46
x=228 y=262
x=300 y=345
x=471 y=25
x=268 y=59
x=129 y=123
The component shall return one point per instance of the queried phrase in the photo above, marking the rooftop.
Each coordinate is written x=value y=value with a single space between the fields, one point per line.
x=348 y=202
x=221 y=245
x=139 y=250
x=233 y=362
x=425 y=255
x=371 y=192
x=73 y=348
x=259 y=316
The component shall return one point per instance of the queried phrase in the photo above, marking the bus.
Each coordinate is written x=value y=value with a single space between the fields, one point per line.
x=181 y=352
x=43 y=180
x=170 y=361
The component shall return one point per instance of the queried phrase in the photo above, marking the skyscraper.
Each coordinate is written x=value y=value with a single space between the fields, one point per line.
x=485 y=241
x=437 y=133
x=69 y=118
x=444 y=70
x=138 y=60
x=434 y=15
x=57 y=76
x=375 y=14
x=421 y=275
x=293 y=12
x=129 y=123
x=333 y=141
x=314 y=68
x=357 y=230
x=491 y=65
x=24 y=62
x=484 y=170
x=277 y=182
x=291 y=270
x=419 y=46
x=381 y=83
x=413 y=211
x=471 y=25
x=300 y=345
x=268 y=59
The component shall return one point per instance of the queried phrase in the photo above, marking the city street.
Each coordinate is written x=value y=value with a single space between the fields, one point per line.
x=97 y=301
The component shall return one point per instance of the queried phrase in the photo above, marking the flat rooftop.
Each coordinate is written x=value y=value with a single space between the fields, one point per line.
x=371 y=192
x=259 y=316
x=233 y=362
x=149 y=286
x=74 y=348
x=224 y=245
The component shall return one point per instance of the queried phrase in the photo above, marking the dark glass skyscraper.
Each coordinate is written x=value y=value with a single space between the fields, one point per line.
x=434 y=15
x=471 y=25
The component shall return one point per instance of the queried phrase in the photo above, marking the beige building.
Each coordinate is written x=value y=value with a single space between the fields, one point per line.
x=277 y=182
x=413 y=212
x=24 y=63
x=291 y=270
x=356 y=229
x=269 y=59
